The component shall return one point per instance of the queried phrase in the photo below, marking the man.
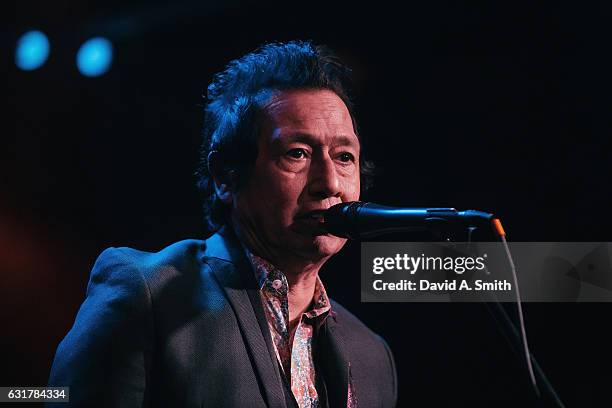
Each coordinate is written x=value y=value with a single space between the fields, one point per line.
x=242 y=319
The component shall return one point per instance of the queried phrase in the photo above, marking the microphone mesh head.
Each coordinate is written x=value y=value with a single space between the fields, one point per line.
x=341 y=219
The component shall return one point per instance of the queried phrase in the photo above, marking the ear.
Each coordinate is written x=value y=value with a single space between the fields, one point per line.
x=224 y=180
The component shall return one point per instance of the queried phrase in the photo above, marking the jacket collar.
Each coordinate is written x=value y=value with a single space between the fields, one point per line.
x=224 y=245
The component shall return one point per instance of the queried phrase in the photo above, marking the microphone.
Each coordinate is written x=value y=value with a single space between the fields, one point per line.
x=359 y=220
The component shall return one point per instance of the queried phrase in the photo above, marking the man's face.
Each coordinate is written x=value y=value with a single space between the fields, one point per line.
x=308 y=160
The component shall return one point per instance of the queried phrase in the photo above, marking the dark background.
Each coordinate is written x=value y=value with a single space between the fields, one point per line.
x=499 y=107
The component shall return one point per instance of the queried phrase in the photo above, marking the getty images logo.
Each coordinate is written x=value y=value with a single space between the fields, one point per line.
x=412 y=264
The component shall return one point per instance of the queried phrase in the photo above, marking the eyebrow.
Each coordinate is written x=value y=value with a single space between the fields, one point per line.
x=306 y=138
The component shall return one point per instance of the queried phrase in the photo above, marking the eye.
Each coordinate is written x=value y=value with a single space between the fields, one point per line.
x=346 y=157
x=297 y=153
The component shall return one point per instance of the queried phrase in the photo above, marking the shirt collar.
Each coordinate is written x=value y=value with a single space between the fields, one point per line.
x=273 y=280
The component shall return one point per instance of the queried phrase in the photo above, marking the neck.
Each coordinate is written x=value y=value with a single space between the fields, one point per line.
x=301 y=293
x=301 y=273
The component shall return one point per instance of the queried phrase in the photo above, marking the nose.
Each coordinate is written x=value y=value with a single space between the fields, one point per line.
x=324 y=181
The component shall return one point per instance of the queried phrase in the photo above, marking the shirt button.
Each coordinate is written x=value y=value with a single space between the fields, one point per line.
x=277 y=284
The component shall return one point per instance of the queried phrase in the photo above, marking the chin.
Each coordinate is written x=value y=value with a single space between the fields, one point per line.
x=326 y=245
x=311 y=246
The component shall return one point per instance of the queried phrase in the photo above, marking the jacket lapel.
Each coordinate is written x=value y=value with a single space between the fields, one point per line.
x=239 y=284
x=334 y=362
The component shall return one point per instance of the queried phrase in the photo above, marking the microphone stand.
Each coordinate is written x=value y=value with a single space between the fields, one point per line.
x=512 y=335
x=504 y=323
x=403 y=219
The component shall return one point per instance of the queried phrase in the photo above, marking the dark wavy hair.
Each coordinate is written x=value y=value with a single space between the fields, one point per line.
x=235 y=97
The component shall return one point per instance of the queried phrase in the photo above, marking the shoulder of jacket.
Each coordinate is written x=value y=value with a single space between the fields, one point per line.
x=176 y=252
x=179 y=259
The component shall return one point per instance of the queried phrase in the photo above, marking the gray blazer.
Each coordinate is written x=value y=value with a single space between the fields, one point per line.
x=185 y=327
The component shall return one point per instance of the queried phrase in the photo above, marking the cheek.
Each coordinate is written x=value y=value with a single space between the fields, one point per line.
x=352 y=188
x=278 y=191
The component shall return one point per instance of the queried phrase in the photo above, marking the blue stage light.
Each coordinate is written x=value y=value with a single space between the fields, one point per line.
x=32 y=50
x=94 y=57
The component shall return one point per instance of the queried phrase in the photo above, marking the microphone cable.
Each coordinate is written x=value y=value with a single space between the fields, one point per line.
x=500 y=232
